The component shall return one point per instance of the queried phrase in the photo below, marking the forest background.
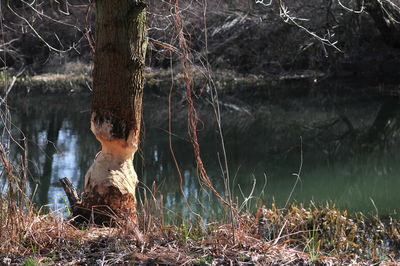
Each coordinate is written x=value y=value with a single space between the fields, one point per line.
x=237 y=35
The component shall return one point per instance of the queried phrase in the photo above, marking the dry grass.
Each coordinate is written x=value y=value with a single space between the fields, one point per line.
x=326 y=231
x=297 y=236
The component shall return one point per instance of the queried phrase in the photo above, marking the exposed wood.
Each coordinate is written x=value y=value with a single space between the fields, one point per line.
x=101 y=215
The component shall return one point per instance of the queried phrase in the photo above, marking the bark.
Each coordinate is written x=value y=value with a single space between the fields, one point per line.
x=386 y=15
x=118 y=80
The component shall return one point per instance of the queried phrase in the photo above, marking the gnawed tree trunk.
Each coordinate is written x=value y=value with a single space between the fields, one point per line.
x=386 y=15
x=118 y=79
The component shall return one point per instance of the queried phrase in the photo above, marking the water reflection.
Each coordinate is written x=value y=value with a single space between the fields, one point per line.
x=385 y=126
x=264 y=146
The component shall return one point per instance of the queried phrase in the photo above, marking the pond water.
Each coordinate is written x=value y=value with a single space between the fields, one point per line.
x=320 y=147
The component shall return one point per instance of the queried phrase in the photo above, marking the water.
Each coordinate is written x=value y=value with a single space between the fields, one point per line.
x=336 y=149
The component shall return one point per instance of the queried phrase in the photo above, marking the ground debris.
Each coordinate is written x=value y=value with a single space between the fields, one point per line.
x=289 y=240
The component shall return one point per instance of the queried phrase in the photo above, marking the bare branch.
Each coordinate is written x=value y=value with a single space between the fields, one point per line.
x=352 y=10
x=37 y=33
x=41 y=13
x=287 y=18
x=262 y=2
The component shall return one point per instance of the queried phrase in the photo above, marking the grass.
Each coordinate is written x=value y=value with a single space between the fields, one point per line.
x=313 y=245
x=306 y=236
x=328 y=231
x=30 y=262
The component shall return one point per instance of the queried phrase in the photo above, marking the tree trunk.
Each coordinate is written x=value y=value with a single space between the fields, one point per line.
x=386 y=16
x=118 y=79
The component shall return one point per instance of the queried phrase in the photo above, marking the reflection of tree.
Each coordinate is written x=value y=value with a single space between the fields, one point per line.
x=40 y=124
x=55 y=123
x=30 y=134
x=384 y=127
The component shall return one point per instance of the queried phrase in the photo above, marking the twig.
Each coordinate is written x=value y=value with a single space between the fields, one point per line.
x=192 y=115
x=262 y=2
x=298 y=174
x=171 y=149
x=37 y=33
x=284 y=13
x=70 y=190
x=352 y=10
x=87 y=33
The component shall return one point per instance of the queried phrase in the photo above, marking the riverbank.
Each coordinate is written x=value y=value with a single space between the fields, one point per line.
x=158 y=81
x=295 y=236
x=230 y=84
